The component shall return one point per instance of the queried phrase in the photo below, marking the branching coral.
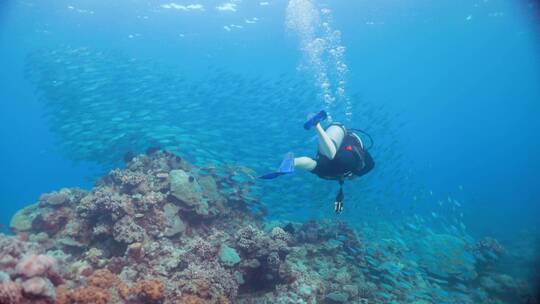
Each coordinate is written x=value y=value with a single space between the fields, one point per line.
x=126 y=231
x=103 y=201
x=209 y=281
x=127 y=178
x=249 y=239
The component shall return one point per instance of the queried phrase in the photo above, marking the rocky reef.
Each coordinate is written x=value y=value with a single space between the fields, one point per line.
x=164 y=231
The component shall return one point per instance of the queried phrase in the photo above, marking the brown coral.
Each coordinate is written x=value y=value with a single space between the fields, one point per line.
x=84 y=295
x=104 y=286
x=191 y=299
x=62 y=295
x=103 y=278
x=151 y=290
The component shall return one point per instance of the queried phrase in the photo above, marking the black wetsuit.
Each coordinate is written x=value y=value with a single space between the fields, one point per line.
x=350 y=160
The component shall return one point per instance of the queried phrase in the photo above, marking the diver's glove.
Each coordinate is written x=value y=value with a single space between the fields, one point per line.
x=286 y=167
x=315 y=119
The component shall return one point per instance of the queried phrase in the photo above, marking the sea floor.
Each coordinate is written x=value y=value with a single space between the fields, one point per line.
x=164 y=231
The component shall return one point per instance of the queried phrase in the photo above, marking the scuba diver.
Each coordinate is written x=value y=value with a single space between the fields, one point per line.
x=341 y=155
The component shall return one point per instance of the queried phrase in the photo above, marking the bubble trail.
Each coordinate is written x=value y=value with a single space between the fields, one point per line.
x=324 y=55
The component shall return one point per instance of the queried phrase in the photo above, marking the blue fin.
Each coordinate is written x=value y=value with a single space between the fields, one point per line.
x=315 y=119
x=286 y=167
x=272 y=175
x=287 y=164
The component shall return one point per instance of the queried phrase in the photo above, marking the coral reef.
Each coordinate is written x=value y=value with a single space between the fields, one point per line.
x=164 y=231
x=28 y=278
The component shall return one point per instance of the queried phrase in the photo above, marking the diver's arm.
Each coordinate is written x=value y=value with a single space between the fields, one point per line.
x=305 y=163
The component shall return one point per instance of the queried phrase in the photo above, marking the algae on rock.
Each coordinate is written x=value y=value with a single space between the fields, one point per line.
x=22 y=220
x=187 y=189
x=446 y=256
x=228 y=256
x=175 y=225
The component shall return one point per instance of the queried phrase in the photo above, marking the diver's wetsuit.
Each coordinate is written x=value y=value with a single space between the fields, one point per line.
x=341 y=155
x=351 y=160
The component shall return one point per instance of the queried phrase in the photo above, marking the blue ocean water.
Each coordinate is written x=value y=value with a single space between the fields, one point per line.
x=453 y=87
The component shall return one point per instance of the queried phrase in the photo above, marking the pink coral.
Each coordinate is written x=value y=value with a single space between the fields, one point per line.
x=39 y=287
x=37 y=265
x=11 y=249
x=10 y=292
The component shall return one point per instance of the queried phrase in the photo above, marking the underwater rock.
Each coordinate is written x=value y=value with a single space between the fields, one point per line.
x=504 y=286
x=62 y=197
x=4 y=277
x=70 y=242
x=135 y=251
x=487 y=252
x=228 y=256
x=23 y=219
x=41 y=237
x=51 y=220
x=187 y=189
x=55 y=198
x=174 y=224
x=446 y=256
x=336 y=297
x=39 y=287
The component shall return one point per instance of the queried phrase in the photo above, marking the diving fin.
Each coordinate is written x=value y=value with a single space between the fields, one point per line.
x=315 y=119
x=286 y=167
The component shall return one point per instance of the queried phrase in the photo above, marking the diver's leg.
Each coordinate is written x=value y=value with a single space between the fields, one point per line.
x=305 y=163
x=329 y=140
